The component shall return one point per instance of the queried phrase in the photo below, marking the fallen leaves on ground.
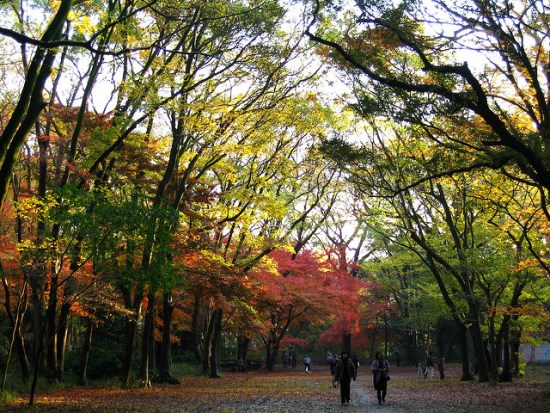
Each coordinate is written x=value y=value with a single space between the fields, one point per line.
x=290 y=390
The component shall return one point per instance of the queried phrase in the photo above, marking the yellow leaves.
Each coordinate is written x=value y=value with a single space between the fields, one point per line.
x=83 y=24
x=533 y=264
x=79 y=310
x=537 y=311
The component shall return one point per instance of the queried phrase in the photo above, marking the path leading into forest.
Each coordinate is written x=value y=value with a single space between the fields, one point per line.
x=293 y=391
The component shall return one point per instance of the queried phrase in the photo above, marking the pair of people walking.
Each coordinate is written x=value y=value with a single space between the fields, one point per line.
x=345 y=372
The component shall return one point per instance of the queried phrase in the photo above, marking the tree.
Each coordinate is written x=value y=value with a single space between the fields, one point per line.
x=482 y=66
x=15 y=311
x=292 y=294
x=30 y=102
x=447 y=225
x=404 y=68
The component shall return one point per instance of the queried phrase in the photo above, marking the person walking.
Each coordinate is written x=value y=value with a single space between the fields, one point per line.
x=307 y=364
x=292 y=357
x=345 y=372
x=333 y=362
x=380 y=369
x=430 y=366
x=441 y=367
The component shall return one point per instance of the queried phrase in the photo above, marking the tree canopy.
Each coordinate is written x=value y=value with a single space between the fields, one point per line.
x=249 y=177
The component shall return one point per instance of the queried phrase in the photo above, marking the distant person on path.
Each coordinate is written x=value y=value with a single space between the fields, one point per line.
x=292 y=356
x=307 y=364
x=284 y=357
x=355 y=362
x=332 y=363
x=345 y=372
x=380 y=369
x=441 y=367
x=419 y=370
x=430 y=366
x=397 y=358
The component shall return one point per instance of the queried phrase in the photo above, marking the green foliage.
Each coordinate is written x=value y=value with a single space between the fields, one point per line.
x=340 y=151
x=4 y=343
x=8 y=397
x=188 y=368
x=104 y=360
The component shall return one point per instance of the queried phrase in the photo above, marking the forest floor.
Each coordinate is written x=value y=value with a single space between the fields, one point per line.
x=288 y=390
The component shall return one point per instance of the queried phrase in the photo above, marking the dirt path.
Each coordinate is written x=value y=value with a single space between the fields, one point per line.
x=363 y=399
x=293 y=391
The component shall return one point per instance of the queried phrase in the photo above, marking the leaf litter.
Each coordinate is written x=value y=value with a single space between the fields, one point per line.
x=288 y=390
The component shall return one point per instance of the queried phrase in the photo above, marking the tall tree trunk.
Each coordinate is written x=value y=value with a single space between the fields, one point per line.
x=51 y=337
x=196 y=329
x=165 y=351
x=15 y=322
x=208 y=345
x=373 y=346
x=272 y=350
x=147 y=340
x=410 y=355
x=37 y=282
x=242 y=352
x=30 y=103
x=493 y=352
x=63 y=323
x=479 y=347
x=464 y=352
x=62 y=332
x=38 y=357
x=515 y=342
x=346 y=342
x=271 y=343
x=504 y=349
x=215 y=346
x=386 y=335
x=85 y=353
x=131 y=333
x=506 y=374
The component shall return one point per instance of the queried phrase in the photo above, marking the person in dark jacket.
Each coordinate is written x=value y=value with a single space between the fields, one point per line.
x=380 y=369
x=441 y=367
x=345 y=371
